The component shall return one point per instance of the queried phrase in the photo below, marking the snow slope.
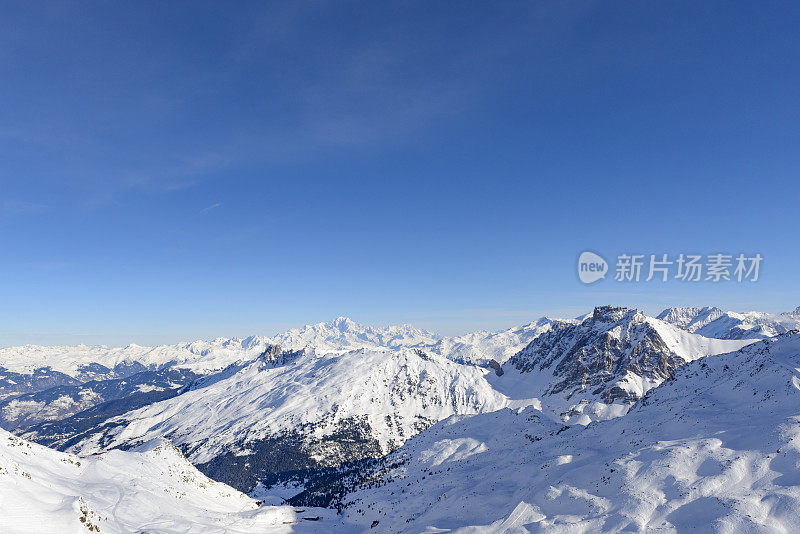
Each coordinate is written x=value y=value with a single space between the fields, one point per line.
x=716 y=448
x=713 y=322
x=151 y=489
x=319 y=409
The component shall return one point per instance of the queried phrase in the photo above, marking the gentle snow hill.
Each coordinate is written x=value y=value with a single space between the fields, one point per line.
x=597 y=369
x=286 y=411
x=150 y=489
x=713 y=322
x=716 y=448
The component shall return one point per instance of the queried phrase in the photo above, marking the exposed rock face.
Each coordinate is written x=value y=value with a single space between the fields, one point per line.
x=617 y=354
x=498 y=369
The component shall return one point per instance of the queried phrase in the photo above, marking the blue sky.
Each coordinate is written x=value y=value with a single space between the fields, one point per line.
x=189 y=170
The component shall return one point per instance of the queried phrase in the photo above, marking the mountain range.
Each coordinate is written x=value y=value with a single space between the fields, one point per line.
x=334 y=414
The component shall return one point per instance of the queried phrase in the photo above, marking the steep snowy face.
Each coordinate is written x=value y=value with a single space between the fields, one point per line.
x=150 y=489
x=713 y=322
x=716 y=448
x=289 y=411
x=598 y=368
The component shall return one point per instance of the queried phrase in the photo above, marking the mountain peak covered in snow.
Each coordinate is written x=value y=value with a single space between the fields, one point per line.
x=690 y=318
x=713 y=322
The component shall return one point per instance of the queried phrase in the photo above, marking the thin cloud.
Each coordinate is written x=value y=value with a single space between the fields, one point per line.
x=211 y=207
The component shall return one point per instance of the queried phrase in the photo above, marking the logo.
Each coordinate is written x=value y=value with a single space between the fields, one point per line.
x=683 y=267
x=591 y=267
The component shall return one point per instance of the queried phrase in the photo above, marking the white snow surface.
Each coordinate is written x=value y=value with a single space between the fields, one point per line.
x=397 y=392
x=479 y=347
x=151 y=489
x=339 y=335
x=715 y=449
x=713 y=322
x=394 y=391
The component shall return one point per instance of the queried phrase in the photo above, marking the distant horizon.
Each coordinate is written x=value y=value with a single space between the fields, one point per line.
x=444 y=333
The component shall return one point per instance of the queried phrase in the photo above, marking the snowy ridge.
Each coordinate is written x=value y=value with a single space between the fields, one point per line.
x=84 y=362
x=198 y=356
x=713 y=322
x=343 y=334
x=716 y=448
x=383 y=396
x=152 y=489
x=480 y=347
x=47 y=384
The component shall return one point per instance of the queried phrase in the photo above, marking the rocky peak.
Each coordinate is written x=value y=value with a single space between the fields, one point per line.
x=594 y=357
x=613 y=314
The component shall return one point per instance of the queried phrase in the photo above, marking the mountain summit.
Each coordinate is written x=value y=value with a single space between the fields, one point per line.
x=599 y=367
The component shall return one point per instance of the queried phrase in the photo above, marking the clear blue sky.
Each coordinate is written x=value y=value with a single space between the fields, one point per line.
x=180 y=170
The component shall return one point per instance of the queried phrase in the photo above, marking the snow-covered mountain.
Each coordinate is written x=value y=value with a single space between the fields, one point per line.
x=149 y=489
x=716 y=448
x=312 y=410
x=84 y=362
x=690 y=318
x=92 y=398
x=597 y=368
x=482 y=347
x=343 y=334
x=22 y=366
x=40 y=385
x=713 y=322
x=297 y=410
x=293 y=412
